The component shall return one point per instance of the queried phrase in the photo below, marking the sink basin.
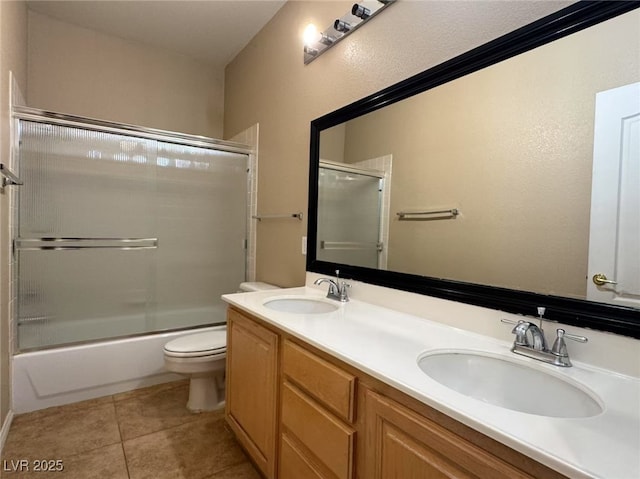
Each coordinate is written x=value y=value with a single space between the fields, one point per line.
x=509 y=384
x=301 y=305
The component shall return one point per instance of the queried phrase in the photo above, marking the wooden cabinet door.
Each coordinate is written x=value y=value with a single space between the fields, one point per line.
x=400 y=444
x=252 y=385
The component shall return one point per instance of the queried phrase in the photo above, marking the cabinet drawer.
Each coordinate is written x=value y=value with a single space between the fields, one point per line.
x=330 y=440
x=293 y=464
x=327 y=383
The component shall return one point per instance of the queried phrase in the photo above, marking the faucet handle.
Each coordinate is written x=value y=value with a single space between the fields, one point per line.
x=510 y=321
x=342 y=290
x=574 y=337
x=559 y=346
x=517 y=324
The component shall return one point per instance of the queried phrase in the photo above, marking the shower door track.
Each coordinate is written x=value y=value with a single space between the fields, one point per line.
x=63 y=119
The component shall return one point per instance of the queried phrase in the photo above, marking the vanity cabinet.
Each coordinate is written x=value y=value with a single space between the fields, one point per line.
x=302 y=414
x=252 y=388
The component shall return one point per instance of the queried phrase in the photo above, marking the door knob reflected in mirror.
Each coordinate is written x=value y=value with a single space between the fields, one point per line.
x=600 y=279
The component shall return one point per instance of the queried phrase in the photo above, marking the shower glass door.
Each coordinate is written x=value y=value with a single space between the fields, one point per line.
x=349 y=217
x=201 y=226
x=120 y=235
x=84 y=191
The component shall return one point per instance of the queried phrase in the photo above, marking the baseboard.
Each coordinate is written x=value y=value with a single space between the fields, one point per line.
x=4 y=432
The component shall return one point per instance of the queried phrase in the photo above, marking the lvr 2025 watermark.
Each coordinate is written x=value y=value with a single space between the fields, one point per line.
x=37 y=465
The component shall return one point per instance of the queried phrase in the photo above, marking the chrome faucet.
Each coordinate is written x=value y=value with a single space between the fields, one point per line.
x=530 y=336
x=530 y=342
x=337 y=288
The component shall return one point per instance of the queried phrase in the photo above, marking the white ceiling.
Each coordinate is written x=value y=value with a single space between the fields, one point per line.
x=211 y=30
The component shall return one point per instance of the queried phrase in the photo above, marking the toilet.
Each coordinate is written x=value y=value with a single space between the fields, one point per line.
x=202 y=357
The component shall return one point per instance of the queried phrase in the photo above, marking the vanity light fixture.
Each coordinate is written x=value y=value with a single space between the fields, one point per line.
x=316 y=43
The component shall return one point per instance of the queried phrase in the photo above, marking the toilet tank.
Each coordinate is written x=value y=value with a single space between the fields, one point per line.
x=255 y=286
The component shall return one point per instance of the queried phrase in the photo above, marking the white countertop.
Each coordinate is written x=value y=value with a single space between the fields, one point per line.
x=386 y=345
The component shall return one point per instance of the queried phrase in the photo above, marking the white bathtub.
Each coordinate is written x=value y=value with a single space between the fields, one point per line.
x=69 y=374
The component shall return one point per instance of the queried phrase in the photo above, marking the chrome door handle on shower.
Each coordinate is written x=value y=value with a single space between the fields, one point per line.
x=601 y=279
x=60 y=244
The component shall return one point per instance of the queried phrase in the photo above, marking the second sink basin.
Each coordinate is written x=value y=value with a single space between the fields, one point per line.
x=508 y=384
x=300 y=305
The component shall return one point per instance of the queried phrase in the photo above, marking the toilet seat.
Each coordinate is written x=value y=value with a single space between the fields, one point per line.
x=210 y=344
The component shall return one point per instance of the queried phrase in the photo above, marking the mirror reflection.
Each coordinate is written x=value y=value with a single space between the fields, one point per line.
x=538 y=155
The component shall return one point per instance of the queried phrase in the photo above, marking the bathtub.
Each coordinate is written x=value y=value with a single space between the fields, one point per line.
x=68 y=374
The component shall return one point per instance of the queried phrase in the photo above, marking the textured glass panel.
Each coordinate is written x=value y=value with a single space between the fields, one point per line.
x=348 y=218
x=201 y=229
x=80 y=295
x=84 y=184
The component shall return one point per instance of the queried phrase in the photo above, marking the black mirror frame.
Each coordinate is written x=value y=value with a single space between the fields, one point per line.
x=581 y=313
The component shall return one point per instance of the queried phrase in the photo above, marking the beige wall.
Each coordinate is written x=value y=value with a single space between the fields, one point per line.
x=332 y=143
x=13 y=58
x=84 y=72
x=268 y=83
x=511 y=147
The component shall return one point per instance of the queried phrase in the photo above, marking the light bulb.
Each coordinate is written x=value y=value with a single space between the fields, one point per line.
x=311 y=35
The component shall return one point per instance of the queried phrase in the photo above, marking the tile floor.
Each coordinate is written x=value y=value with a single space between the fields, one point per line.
x=143 y=434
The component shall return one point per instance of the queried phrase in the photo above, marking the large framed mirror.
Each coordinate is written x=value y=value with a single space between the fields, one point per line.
x=507 y=177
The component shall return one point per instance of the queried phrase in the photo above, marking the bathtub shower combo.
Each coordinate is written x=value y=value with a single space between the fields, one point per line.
x=126 y=238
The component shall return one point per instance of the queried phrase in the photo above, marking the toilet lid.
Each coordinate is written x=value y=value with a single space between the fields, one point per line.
x=200 y=344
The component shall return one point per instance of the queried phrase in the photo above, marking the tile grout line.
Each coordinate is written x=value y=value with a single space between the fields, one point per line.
x=115 y=412
x=126 y=461
x=124 y=453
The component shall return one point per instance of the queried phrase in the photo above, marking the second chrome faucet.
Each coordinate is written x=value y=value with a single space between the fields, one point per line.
x=530 y=342
x=337 y=288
